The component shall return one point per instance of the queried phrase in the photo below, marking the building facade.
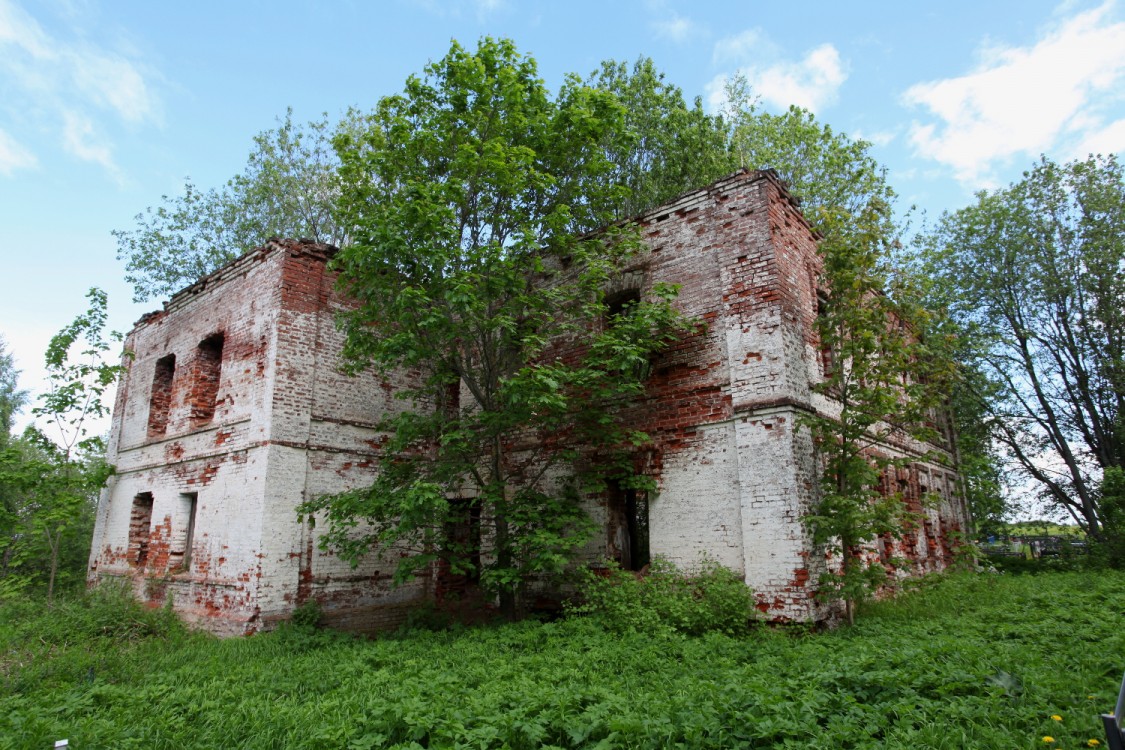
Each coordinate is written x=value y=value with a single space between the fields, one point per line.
x=233 y=411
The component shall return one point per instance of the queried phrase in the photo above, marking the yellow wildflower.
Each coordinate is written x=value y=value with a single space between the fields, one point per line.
x=1048 y=739
x=1092 y=742
x=1056 y=717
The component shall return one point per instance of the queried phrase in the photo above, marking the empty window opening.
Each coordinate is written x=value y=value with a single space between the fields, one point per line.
x=827 y=355
x=140 y=525
x=183 y=533
x=621 y=303
x=628 y=527
x=160 y=404
x=619 y=307
x=459 y=567
x=205 y=385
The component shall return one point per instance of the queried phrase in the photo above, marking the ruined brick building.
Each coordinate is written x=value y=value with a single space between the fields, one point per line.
x=232 y=412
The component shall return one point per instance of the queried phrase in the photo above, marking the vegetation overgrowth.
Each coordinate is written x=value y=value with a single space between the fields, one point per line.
x=972 y=661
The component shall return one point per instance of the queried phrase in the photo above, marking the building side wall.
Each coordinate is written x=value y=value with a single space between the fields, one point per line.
x=217 y=464
x=736 y=470
x=324 y=440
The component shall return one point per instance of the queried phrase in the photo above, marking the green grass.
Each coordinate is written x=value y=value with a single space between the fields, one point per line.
x=969 y=662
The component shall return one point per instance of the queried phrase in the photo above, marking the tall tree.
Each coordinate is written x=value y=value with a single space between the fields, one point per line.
x=469 y=197
x=887 y=373
x=666 y=147
x=49 y=487
x=825 y=169
x=12 y=398
x=288 y=189
x=1035 y=273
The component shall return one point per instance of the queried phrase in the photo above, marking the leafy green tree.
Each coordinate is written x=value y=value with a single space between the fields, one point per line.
x=12 y=398
x=667 y=147
x=288 y=189
x=49 y=489
x=825 y=169
x=1035 y=275
x=470 y=197
x=886 y=377
x=48 y=514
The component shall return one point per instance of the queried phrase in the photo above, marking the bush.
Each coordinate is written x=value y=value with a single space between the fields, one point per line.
x=307 y=615
x=710 y=598
x=106 y=612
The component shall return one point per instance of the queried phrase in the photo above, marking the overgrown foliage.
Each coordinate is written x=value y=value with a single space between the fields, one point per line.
x=1111 y=507
x=666 y=146
x=706 y=599
x=288 y=189
x=967 y=662
x=49 y=487
x=833 y=175
x=468 y=196
x=12 y=397
x=1034 y=275
x=886 y=375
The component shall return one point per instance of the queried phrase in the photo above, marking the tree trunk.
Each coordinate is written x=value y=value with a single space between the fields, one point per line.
x=54 y=545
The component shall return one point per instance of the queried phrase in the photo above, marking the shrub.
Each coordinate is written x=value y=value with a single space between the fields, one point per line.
x=307 y=615
x=710 y=598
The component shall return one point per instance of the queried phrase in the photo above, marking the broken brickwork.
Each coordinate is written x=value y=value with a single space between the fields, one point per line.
x=233 y=411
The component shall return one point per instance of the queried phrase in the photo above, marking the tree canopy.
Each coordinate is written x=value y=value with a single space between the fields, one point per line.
x=1035 y=275
x=471 y=195
x=287 y=189
x=666 y=147
x=12 y=397
x=49 y=488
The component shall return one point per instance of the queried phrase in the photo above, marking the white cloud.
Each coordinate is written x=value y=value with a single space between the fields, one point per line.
x=1021 y=101
x=113 y=82
x=740 y=48
x=19 y=29
x=1101 y=140
x=64 y=83
x=81 y=139
x=812 y=82
x=677 y=28
x=13 y=156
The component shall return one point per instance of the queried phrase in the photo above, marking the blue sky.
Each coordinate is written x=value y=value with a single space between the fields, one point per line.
x=105 y=106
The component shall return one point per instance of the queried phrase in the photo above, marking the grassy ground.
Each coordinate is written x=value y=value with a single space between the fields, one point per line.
x=970 y=662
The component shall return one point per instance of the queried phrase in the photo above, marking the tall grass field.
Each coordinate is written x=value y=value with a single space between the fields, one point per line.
x=970 y=661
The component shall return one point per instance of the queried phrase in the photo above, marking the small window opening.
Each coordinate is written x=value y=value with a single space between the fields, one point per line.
x=140 y=525
x=628 y=527
x=459 y=568
x=179 y=555
x=160 y=403
x=463 y=534
x=621 y=303
x=827 y=356
x=619 y=306
x=205 y=388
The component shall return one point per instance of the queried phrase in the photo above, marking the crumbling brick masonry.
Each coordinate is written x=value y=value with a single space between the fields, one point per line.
x=232 y=412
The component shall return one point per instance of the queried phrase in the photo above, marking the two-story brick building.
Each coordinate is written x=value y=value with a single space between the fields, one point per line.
x=232 y=412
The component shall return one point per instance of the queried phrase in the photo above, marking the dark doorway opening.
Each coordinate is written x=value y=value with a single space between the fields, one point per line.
x=628 y=527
